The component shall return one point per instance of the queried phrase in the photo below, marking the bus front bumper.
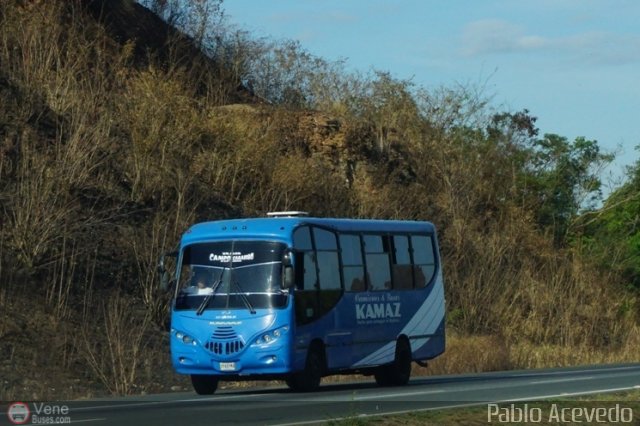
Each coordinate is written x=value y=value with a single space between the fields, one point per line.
x=251 y=361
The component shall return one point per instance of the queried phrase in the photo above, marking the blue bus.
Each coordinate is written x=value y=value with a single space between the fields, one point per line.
x=298 y=298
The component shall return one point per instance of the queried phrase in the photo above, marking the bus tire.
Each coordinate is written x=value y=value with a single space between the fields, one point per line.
x=399 y=371
x=308 y=379
x=204 y=384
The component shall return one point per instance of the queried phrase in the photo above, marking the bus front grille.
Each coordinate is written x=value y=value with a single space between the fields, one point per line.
x=224 y=333
x=224 y=348
x=224 y=341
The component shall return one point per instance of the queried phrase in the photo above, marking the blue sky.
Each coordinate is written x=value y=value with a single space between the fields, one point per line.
x=575 y=64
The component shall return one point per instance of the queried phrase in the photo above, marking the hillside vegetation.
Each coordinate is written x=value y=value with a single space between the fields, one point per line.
x=118 y=131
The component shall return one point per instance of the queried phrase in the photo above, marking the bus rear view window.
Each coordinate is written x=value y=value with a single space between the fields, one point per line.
x=423 y=260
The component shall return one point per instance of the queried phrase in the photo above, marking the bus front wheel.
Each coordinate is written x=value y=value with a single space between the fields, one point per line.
x=308 y=379
x=204 y=384
x=399 y=371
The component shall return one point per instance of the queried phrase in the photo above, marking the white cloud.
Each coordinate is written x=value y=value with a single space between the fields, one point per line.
x=498 y=37
x=489 y=36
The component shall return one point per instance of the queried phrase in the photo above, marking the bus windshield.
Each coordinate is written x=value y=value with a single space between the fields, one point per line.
x=231 y=274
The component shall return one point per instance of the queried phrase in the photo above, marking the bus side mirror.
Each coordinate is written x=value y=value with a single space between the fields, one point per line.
x=288 y=277
x=288 y=280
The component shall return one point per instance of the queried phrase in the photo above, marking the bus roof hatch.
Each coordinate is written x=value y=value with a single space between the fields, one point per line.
x=287 y=214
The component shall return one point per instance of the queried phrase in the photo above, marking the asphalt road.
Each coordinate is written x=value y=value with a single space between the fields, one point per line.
x=280 y=406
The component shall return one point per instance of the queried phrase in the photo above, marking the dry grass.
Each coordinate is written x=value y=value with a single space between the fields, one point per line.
x=527 y=355
x=469 y=354
x=116 y=357
x=474 y=354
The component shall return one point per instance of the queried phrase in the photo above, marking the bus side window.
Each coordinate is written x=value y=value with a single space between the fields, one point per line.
x=302 y=239
x=330 y=282
x=306 y=295
x=310 y=281
x=402 y=269
x=357 y=284
x=424 y=261
x=328 y=265
x=352 y=265
x=377 y=262
x=306 y=272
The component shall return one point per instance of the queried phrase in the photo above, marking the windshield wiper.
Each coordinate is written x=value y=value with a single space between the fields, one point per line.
x=215 y=286
x=207 y=298
x=244 y=297
x=204 y=304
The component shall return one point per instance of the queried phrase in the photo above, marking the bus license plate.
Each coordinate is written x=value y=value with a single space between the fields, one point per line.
x=227 y=366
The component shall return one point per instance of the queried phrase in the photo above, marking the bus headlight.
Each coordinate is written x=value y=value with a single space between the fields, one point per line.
x=185 y=338
x=271 y=336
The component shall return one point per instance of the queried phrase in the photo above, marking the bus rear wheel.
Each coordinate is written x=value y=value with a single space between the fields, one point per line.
x=308 y=379
x=204 y=384
x=399 y=371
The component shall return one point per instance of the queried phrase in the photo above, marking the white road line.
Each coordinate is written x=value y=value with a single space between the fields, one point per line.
x=396 y=395
x=100 y=419
x=569 y=372
x=572 y=379
x=126 y=404
x=565 y=394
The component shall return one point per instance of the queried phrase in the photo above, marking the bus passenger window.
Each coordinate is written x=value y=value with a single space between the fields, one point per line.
x=377 y=262
x=402 y=269
x=423 y=260
x=373 y=243
x=310 y=281
x=325 y=240
x=330 y=282
x=378 y=271
x=352 y=267
x=328 y=265
x=302 y=239
x=329 y=270
x=354 y=275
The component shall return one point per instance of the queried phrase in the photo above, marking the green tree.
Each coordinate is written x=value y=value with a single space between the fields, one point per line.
x=612 y=233
x=565 y=181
